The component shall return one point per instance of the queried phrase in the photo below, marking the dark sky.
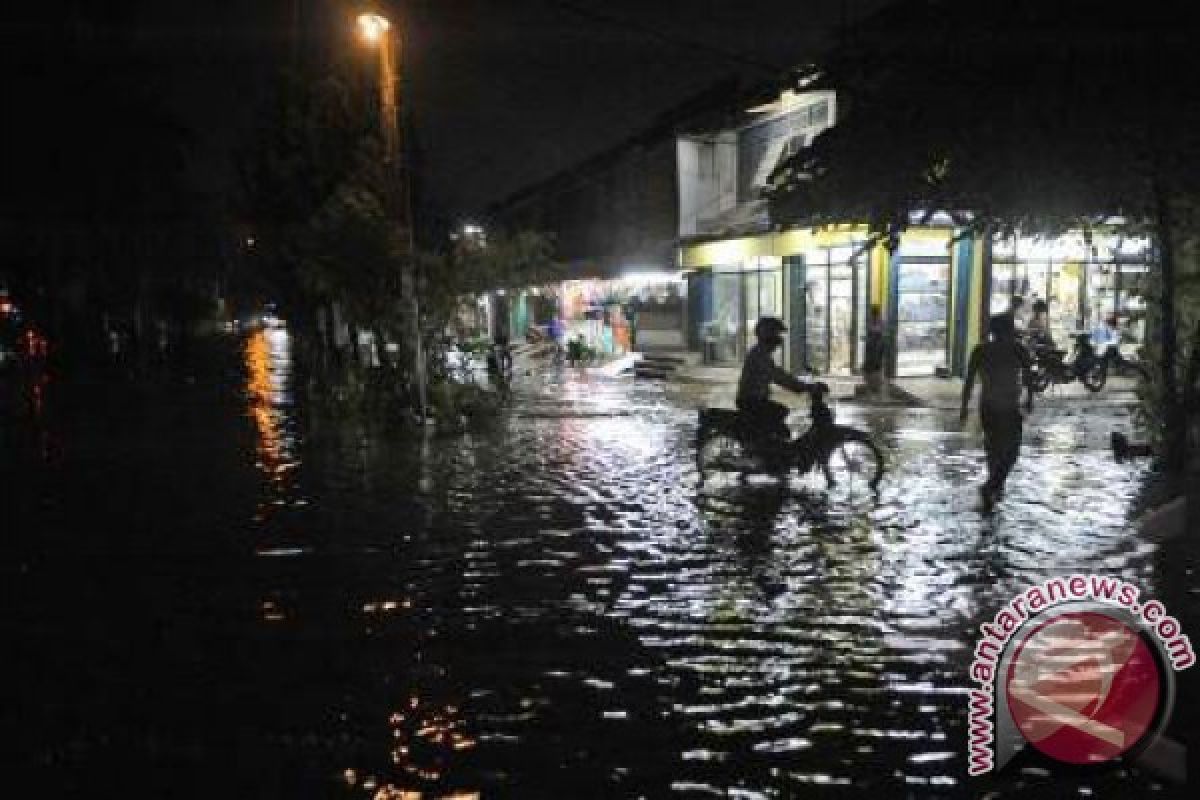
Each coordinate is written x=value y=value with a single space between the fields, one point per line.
x=504 y=92
x=509 y=91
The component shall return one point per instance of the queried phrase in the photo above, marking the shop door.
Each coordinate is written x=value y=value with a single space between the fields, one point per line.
x=835 y=310
x=922 y=315
x=726 y=326
x=816 y=315
x=841 y=319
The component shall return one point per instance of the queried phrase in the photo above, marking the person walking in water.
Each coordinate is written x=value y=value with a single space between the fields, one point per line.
x=1001 y=362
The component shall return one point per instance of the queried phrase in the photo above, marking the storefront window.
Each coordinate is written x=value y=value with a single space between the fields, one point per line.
x=922 y=307
x=1084 y=285
x=1117 y=287
x=764 y=296
x=816 y=306
x=835 y=309
x=726 y=323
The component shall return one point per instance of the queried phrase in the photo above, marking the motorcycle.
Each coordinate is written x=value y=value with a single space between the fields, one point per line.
x=726 y=440
x=1049 y=365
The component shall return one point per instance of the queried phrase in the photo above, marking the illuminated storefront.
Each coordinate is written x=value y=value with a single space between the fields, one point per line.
x=739 y=295
x=834 y=309
x=616 y=315
x=819 y=283
x=921 y=305
x=935 y=292
x=1084 y=284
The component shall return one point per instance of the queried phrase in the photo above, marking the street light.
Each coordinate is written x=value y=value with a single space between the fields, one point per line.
x=376 y=31
x=373 y=26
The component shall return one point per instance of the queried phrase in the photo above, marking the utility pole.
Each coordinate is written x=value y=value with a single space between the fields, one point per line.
x=378 y=31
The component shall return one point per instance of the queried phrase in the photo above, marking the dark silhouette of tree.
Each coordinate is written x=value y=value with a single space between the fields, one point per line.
x=96 y=216
x=324 y=208
x=1022 y=115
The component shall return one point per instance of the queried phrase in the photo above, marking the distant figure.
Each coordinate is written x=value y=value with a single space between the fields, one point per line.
x=576 y=350
x=556 y=330
x=1002 y=362
x=1105 y=335
x=1123 y=449
x=759 y=371
x=873 y=353
x=1040 y=317
x=1016 y=312
x=500 y=360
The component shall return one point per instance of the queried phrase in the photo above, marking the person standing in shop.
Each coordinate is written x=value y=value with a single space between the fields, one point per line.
x=874 y=354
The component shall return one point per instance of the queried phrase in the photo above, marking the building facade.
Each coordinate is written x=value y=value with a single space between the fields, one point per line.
x=672 y=227
x=935 y=291
x=615 y=220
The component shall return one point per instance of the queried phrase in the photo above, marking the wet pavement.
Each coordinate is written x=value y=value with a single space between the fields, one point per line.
x=211 y=592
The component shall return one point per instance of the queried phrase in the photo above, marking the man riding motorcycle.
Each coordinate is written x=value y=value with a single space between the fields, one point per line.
x=759 y=371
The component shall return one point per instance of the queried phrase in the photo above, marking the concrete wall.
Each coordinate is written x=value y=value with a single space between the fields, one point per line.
x=707 y=178
x=660 y=331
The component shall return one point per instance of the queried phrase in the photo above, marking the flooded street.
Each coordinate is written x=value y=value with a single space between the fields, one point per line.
x=209 y=593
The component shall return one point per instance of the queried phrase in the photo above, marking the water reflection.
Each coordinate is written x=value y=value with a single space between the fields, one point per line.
x=569 y=616
x=268 y=367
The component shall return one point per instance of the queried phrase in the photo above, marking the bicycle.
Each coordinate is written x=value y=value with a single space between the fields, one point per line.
x=727 y=440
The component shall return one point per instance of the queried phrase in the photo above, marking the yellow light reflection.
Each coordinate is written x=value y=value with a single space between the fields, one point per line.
x=268 y=370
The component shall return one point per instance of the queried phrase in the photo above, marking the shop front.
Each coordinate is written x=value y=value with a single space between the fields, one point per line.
x=1085 y=285
x=617 y=315
x=819 y=283
x=834 y=313
x=921 y=277
x=741 y=294
x=935 y=291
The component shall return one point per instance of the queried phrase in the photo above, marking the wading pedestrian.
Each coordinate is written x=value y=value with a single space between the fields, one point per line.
x=1001 y=362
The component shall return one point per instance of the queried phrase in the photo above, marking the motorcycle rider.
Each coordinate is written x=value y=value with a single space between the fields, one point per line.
x=759 y=371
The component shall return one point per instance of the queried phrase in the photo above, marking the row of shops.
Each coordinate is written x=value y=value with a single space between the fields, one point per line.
x=935 y=292
x=611 y=316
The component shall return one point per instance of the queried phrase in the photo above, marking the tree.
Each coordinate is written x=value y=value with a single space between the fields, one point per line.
x=311 y=166
x=96 y=213
x=475 y=265
x=317 y=195
x=1031 y=116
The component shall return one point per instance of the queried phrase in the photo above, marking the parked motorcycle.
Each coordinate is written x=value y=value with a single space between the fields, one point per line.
x=1049 y=364
x=1117 y=364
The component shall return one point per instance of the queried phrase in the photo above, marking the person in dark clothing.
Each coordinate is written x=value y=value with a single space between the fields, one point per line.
x=759 y=371
x=874 y=351
x=1001 y=362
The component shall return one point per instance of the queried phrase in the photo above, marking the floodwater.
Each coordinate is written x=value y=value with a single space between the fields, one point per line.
x=214 y=594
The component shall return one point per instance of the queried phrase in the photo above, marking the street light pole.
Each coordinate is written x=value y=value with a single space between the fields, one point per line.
x=377 y=30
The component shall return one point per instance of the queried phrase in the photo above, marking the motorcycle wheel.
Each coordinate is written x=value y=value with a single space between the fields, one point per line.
x=1095 y=375
x=855 y=463
x=723 y=452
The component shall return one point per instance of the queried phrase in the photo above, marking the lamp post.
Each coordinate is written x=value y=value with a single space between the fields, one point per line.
x=376 y=31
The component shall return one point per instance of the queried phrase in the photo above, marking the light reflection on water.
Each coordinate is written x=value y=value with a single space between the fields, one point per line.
x=574 y=616
x=269 y=397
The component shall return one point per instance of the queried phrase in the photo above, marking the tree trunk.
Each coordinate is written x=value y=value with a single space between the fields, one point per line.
x=1175 y=423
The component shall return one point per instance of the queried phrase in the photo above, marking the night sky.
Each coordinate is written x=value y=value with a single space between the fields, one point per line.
x=504 y=92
